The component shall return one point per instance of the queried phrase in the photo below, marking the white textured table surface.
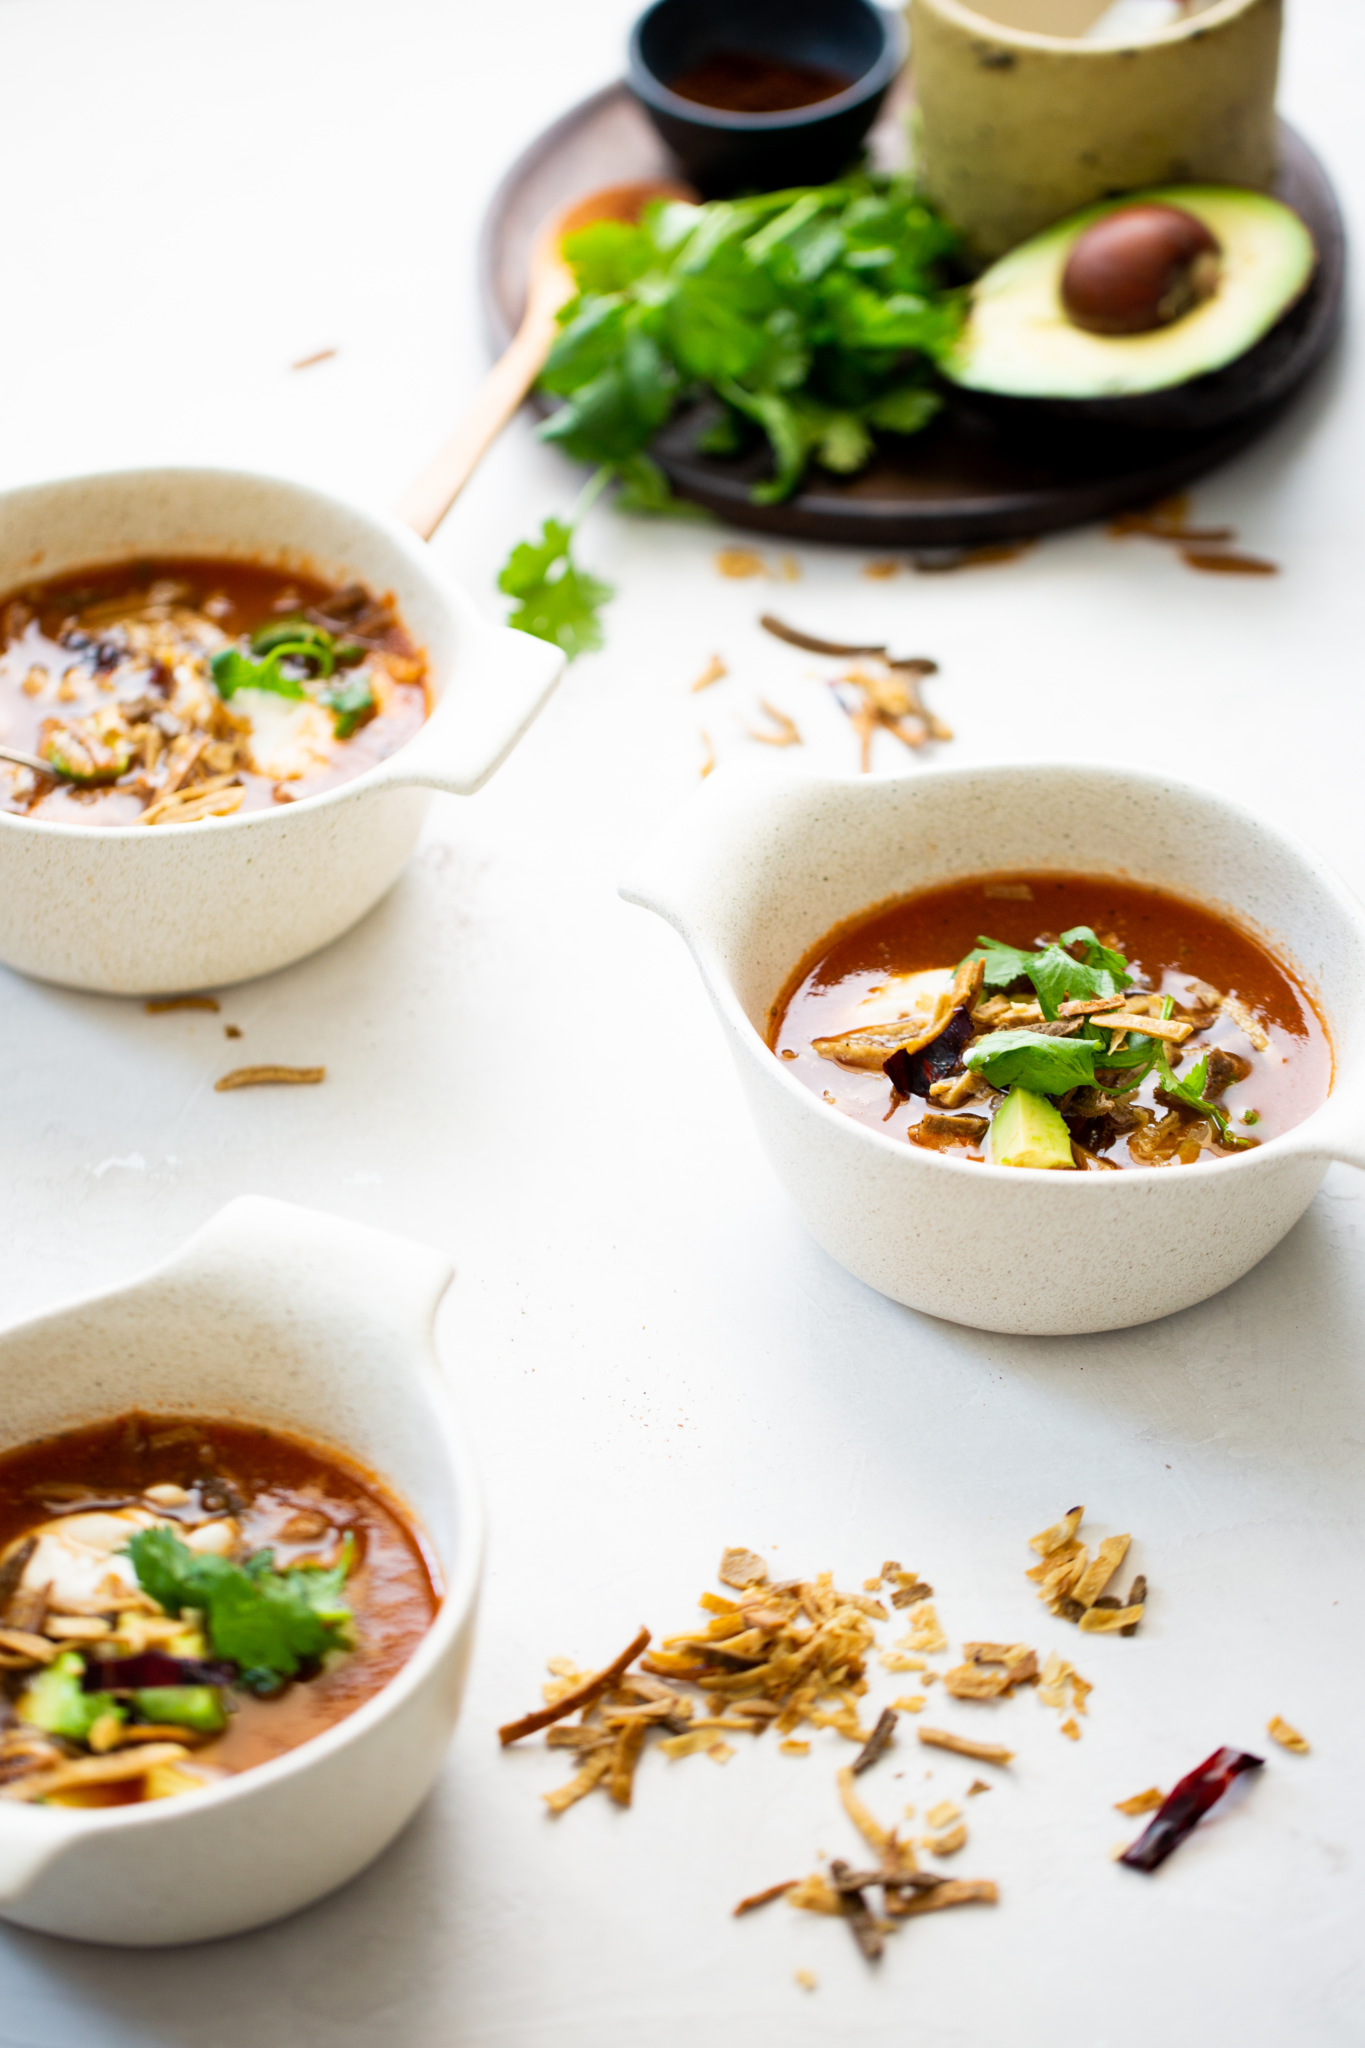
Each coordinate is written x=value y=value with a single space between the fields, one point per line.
x=652 y=1357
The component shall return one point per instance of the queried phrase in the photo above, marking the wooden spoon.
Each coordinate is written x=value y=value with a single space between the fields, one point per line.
x=550 y=285
x=31 y=761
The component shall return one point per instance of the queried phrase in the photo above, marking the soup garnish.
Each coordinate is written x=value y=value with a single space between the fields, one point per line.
x=170 y=692
x=1055 y=1021
x=181 y=1599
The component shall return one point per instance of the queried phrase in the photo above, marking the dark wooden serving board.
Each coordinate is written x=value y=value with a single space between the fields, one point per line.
x=975 y=475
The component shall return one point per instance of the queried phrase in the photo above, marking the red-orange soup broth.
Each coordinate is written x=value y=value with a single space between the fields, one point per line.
x=1219 y=978
x=233 y=1492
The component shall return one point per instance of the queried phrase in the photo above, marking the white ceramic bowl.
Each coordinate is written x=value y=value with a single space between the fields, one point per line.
x=760 y=866
x=144 y=911
x=276 y=1315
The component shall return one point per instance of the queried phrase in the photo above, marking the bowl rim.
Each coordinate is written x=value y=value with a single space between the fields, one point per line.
x=459 y=1602
x=1297 y=1139
x=382 y=523
x=1192 y=28
x=876 y=78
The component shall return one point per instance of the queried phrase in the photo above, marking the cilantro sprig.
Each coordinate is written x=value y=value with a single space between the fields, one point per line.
x=556 y=600
x=266 y=1622
x=309 y=648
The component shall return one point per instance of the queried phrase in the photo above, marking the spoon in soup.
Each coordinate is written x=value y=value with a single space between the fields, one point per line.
x=550 y=285
x=22 y=760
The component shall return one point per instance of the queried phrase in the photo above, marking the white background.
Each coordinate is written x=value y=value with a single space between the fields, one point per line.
x=652 y=1357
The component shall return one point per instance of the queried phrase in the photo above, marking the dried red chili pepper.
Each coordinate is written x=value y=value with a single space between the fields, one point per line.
x=916 y=1073
x=1183 y=1808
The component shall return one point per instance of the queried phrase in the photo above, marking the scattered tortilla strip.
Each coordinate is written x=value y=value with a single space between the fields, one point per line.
x=958 y=1891
x=708 y=760
x=1154 y=1027
x=795 y=638
x=984 y=1752
x=742 y=1569
x=878 y=1838
x=720 y=1752
x=1063 y=1532
x=94 y=1770
x=877 y=1742
x=912 y=1703
x=977 y=1785
x=787 y=733
x=807 y=1979
x=764 y=1898
x=714 y=672
x=900 y=1660
x=158 y=1006
x=270 y=1077
x=579 y=1787
x=695 y=1739
x=1100 y=1570
x=1280 y=1731
x=791 y=1748
x=1071 y=1730
x=940 y=1815
x=1227 y=562
x=740 y=562
x=814 y=1894
x=581 y=1696
x=1107 y=1621
x=946 y=1845
x=925 y=1633
x=1141 y=1802
x=625 y=1756
x=855 y=1910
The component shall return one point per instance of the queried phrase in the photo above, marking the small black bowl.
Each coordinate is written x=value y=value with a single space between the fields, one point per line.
x=723 y=152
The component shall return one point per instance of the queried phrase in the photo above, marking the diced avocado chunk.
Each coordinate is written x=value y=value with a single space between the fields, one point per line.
x=186 y=1706
x=54 y=1702
x=1027 y=1130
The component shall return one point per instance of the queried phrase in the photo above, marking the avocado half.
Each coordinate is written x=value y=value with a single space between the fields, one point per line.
x=1201 y=371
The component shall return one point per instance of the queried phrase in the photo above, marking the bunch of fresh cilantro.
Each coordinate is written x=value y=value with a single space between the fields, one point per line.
x=813 y=316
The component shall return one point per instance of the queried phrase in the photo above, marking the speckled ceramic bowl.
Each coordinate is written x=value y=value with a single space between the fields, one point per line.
x=307 y=1323
x=135 y=910
x=760 y=866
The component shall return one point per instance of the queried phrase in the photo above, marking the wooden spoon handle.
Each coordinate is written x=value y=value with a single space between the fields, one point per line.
x=427 y=500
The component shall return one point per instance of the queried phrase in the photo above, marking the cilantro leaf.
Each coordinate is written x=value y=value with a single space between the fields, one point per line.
x=558 y=601
x=264 y=1621
x=1032 y=1060
x=1058 y=978
x=1004 y=964
x=1189 y=1093
x=350 y=703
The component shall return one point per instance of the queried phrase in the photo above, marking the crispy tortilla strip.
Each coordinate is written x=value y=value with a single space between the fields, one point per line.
x=625 y=1756
x=790 y=1748
x=1071 y=1729
x=877 y=1742
x=814 y=1895
x=967 y=985
x=1107 y=1621
x=946 y=1845
x=1093 y=1007
x=787 y=733
x=977 y=1682
x=158 y=1006
x=984 y=1752
x=714 y=672
x=720 y=1752
x=939 y=1816
x=910 y=1703
x=1063 y=1532
x=925 y=1632
x=742 y=1569
x=1100 y=1570
x=695 y=1739
x=795 y=638
x=1247 y=1023
x=956 y=1891
x=855 y=1910
x=28 y=1649
x=1141 y=1802
x=565 y=1796
x=581 y=1739
x=878 y=1838
x=94 y=1770
x=765 y=1898
x=1154 y=1027
x=869 y=1046
x=581 y=1696
x=269 y=1077
x=1280 y=1731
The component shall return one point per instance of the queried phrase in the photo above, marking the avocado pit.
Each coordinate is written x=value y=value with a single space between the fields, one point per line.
x=1138 y=269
